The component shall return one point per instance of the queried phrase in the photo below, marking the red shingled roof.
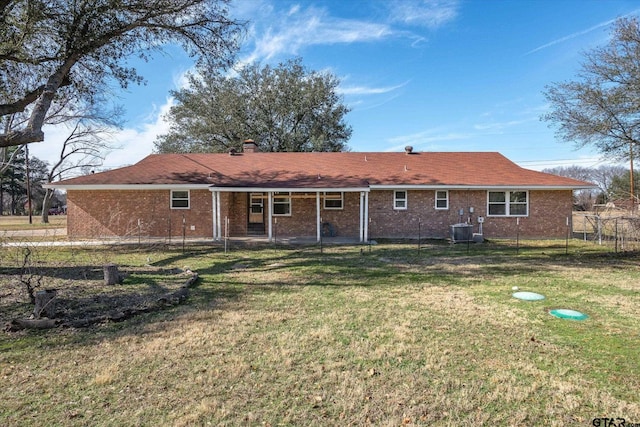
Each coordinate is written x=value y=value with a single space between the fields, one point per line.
x=326 y=170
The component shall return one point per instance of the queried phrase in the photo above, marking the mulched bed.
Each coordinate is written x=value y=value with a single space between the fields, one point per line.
x=83 y=299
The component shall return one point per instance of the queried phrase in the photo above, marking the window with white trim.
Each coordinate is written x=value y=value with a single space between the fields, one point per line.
x=442 y=199
x=180 y=199
x=508 y=203
x=400 y=199
x=282 y=204
x=333 y=200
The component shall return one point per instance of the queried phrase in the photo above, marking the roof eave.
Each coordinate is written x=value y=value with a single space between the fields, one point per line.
x=88 y=187
x=286 y=189
x=85 y=187
x=478 y=187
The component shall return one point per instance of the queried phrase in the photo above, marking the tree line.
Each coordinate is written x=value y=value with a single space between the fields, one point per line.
x=613 y=182
x=15 y=188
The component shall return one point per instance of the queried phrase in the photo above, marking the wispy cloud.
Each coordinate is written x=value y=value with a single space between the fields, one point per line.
x=437 y=138
x=425 y=13
x=138 y=143
x=586 y=161
x=289 y=33
x=498 y=126
x=422 y=139
x=579 y=33
x=273 y=33
x=364 y=90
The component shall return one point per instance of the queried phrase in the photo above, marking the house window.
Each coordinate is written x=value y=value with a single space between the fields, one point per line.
x=442 y=199
x=508 y=203
x=282 y=204
x=333 y=200
x=179 y=199
x=400 y=199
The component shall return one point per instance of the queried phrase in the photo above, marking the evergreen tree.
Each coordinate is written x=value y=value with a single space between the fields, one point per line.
x=283 y=108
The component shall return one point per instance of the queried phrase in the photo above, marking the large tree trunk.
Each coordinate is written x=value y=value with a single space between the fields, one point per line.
x=46 y=204
x=40 y=100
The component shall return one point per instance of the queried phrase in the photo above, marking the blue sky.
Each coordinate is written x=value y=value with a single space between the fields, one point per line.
x=442 y=75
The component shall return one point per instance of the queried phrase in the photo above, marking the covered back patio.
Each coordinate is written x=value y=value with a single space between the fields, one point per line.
x=290 y=213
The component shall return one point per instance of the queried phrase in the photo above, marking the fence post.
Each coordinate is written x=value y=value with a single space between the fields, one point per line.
x=321 y=233
x=616 y=235
x=566 y=246
x=184 y=231
x=226 y=233
x=517 y=236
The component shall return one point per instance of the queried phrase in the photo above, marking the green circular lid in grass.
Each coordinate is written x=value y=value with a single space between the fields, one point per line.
x=528 y=296
x=564 y=313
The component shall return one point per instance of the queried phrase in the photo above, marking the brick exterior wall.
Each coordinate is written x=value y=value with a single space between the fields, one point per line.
x=111 y=213
x=236 y=209
x=302 y=222
x=548 y=212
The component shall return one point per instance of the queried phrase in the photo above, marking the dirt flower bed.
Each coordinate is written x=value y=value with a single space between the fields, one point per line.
x=82 y=296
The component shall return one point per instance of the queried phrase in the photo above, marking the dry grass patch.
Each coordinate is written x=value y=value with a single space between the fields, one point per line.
x=22 y=222
x=389 y=337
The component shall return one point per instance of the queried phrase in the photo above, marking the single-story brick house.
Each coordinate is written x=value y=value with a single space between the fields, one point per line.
x=350 y=194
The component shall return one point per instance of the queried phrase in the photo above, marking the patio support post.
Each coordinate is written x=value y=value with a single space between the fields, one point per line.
x=366 y=216
x=318 y=220
x=218 y=222
x=361 y=217
x=270 y=217
x=213 y=215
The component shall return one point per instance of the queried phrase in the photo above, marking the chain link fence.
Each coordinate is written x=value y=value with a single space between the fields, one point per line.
x=619 y=230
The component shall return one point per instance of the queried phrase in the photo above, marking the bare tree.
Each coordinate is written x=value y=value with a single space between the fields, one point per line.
x=84 y=147
x=602 y=106
x=50 y=45
x=583 y=199
x=90 y=126
x=605 y=176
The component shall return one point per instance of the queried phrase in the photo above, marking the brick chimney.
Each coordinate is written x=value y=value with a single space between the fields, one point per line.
x=249 y=146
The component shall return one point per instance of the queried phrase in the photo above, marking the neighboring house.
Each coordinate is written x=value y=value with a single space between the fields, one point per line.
x=350 y=194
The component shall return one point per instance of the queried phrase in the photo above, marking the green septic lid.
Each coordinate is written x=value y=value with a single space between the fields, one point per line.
x=528 y=296
x=564 y=313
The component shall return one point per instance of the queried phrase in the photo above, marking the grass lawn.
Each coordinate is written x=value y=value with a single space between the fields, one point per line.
x=354 y=335
x=8 y=223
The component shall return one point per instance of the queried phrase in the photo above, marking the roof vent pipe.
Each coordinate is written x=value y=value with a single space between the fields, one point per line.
x=408 y=149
